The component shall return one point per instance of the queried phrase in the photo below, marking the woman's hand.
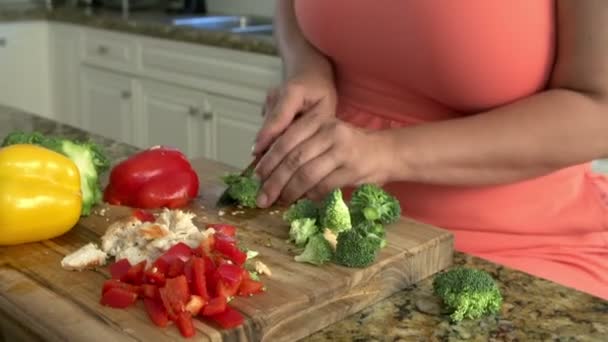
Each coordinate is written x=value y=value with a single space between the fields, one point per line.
x=307 y=92
x=319 y=153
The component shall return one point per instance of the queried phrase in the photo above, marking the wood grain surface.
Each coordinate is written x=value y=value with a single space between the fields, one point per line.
x=40 y=300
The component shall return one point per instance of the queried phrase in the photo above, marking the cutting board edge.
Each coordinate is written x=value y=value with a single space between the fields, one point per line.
x=445 y=245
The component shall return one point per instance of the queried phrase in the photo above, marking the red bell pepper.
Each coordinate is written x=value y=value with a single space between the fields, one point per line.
x=175 y=295
x=185 y=325
x=214 y=306
x=150 y=291
x=154 y=178
x=199 y=283
x=176 y=268
x=143 y=215
x=231 y=274
x=115 y=283
x=178 y=251
x=153 y=275
x=195 y=305
x=188 y=272
x=135 y=275
x=230 y=318
x=250 y=287
x=227 y=246
x=156 y=312
x=119 y=268
x=117 y=297
x=223 y=228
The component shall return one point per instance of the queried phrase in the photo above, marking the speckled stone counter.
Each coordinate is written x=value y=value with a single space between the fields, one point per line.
x=152 y=23
x=533 y=310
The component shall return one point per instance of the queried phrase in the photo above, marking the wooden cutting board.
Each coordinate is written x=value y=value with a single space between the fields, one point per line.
x=40 y=299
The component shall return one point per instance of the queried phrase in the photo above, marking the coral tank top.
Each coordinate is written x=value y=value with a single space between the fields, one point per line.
x=401 y=63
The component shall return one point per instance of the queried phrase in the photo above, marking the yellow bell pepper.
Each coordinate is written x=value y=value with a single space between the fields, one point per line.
x=40 y=194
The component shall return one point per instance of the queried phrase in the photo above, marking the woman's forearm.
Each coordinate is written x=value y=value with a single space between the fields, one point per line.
x=540 y=134
x=297 y=53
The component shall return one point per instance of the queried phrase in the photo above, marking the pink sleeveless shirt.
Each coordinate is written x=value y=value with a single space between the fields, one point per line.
x=402 y=63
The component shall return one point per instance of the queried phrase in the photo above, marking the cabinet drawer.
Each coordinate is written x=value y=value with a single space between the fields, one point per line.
x=109 y=50
x=230 y=72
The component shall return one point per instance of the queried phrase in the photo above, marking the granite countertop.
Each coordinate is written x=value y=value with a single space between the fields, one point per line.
x=533 y=309
x=152 y=23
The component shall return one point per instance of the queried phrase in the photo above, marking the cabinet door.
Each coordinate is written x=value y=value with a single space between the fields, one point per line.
x=107 y=105
x=24 y=67
x=65 y=49
x=236 y=124
x=175 y=116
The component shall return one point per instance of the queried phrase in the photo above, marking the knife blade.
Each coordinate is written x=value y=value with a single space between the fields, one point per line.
x=225 y=199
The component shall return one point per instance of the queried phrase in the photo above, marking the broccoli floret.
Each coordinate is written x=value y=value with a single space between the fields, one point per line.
x=301 y=230
x=355 y=249
x=303 y=208
x=372 y=230
x=242 y=189
x=334 y=212
x=370 y=202
x=87 y=155
x=317 y=251
x=468 y=293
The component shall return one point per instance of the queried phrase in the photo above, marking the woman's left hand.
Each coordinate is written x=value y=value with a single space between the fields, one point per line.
x=317 y=154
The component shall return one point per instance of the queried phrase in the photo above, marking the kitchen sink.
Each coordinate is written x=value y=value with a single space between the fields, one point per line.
x=230 y=23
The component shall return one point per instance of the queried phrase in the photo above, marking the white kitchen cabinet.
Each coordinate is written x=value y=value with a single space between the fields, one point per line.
x=24 y=67
x=65 y=68
x=236 y=123
x=175 y=116
x=107 y=104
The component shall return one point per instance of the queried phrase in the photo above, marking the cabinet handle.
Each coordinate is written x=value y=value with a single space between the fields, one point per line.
x=126 y=94
x=2 y=42
x=193 y=111
x=207 y=115
x=102 y=50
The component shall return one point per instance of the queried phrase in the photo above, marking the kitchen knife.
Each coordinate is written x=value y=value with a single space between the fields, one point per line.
x=225 y=199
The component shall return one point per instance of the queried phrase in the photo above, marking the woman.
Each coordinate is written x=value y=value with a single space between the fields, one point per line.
x=481 y=116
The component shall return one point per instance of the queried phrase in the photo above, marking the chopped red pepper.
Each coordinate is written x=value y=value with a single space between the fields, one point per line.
x=214 y=306
x=231 y=274
x=185 y=282
x=188 y=271
x=206 y=247
x=225 y=238
x=143 y=216
x=156 y=312
x=209 y=266
x=161 y=266
x=174 y=295
x=185 y=325
x=119 y=268
x=199 y=283
x=223 y=228
x=135 y=275
x=178 y=251
x=228 y=319
x=154 y=276
x=117 y=297
x=176 y=268
x=212 y=280
x=250 y=287
x=226 y=289
x=195 y=305
x=230 y=250
x=150 y=291
x=154 y=178
x=112 y=283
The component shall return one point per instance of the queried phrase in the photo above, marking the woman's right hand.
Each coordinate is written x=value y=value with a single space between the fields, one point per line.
x=311 y=91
